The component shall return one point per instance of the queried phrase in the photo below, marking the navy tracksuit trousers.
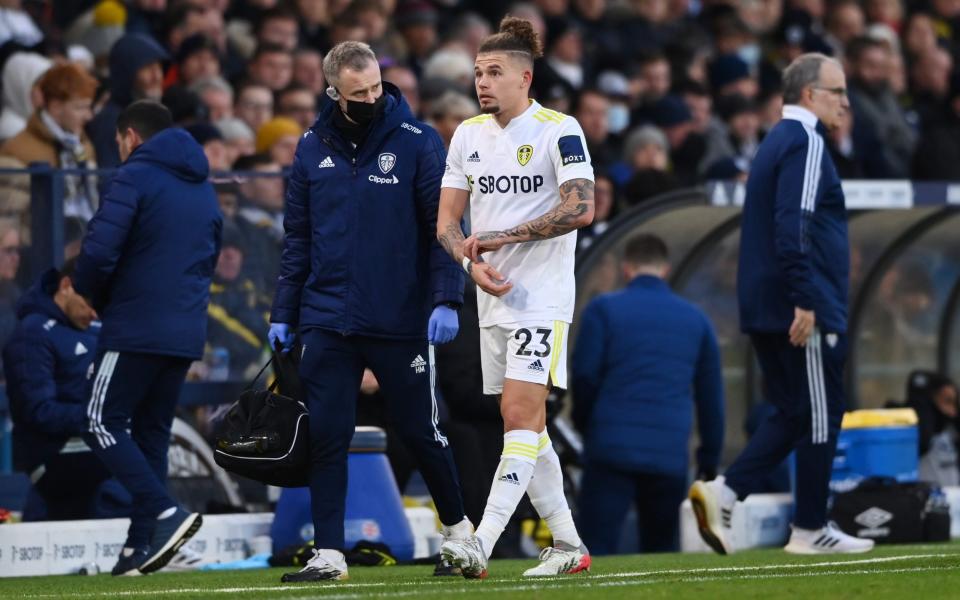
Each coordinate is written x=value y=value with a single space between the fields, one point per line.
x=331 y=369
x=805 y=385
x=130 y=414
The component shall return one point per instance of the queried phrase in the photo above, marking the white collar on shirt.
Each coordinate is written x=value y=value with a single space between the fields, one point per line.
x=799 y=113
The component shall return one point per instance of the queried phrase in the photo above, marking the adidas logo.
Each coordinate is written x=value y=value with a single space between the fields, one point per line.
x=419 y=365
x=475 y=157
x=327 y=163
x=511 y=478
x=536 y=366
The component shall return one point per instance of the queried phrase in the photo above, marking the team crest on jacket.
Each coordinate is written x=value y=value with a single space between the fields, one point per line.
x=524 y=154
x=387 y=160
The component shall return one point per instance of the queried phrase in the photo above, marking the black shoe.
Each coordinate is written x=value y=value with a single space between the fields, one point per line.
x=129 y=563
x=445 y=569
x=169 y=535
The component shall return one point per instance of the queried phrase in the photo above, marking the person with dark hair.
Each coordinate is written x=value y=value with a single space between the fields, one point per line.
x=146 y=265
x=645 y=360
x=271 y=66
x=792 y=286
x=525 y=171
x=364 y=283
x=934 y=398
x=136 y=72
x=875 y=106
x=46 y=363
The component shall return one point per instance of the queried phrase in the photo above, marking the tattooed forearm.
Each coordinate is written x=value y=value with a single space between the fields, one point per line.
x=574 y=211
x=451 y=239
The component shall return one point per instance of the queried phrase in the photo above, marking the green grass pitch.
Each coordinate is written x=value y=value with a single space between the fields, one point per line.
x=903 y=572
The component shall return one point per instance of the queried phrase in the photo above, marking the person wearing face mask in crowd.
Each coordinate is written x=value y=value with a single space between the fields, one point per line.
x=365 y=284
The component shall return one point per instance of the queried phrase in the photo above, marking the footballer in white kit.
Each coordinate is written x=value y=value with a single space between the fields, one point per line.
x=525 y=174
x=514 y=175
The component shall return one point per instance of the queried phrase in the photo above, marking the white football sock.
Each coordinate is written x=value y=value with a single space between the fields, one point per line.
x=546 y=495
x=509 y=483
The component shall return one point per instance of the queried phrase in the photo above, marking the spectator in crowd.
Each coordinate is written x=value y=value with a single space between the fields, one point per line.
x=617 y=90
x=930 y=83
x=647 y=153
x=856 y=151
x=742 y=128
x=46 y=362
x=653 y=82
x=564 y=51
x=467 y=31
x=238 y=316
x=214 y=148
x=844 y=22
x=308 y=70
x=21 y=96
x=592 y=111
x=238 y=137
x=9 y=266
x=934 y=398
x=217 y=95
x=450 y=65
x=729 y=74
x=151 y=290
x=417 y=23
x=278 y=137
x=299 y=104
x=271 y=66
x=405 y=79
x=645 y=360
x=448 y=111
x=260 y=218
x=185 y=105
x=278 y=27
x=197 y=58
x=254 y=105
x=55 y=135
x=136 y=73
x=603 y=210
x=315 y=20
x=687 y=147
x=874 y=105
x=938 y=153
x=919 y=35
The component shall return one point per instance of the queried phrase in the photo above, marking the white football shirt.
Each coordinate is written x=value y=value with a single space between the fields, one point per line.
x=513 y=175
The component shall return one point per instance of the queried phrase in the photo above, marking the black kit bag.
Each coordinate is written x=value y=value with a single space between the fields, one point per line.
x=890 y=512
x=265 y=436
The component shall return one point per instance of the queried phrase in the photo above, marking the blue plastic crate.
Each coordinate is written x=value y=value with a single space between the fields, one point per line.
x=874 y=452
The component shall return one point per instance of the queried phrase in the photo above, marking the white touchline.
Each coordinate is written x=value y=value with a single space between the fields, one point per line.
x=811 y=568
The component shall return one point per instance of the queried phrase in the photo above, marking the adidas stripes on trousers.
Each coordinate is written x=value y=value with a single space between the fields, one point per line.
x=129 y=416
x=805 y=385
x=331 y=369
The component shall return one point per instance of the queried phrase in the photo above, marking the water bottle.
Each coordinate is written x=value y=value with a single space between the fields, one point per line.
x=219 y=364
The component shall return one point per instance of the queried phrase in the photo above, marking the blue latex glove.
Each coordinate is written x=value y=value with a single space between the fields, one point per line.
x=444 y=325
x=280 y=334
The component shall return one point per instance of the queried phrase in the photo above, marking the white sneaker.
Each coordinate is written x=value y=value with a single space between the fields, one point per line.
x=713 y=503
x=184 y=560
x=325 y=565
x=554 y=561
x=466 y=554
x=461 y=531
x=829 y=539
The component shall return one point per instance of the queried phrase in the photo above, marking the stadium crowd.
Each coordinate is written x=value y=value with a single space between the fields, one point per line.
x=669 y=93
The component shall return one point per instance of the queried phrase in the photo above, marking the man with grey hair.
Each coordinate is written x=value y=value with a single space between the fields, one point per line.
x=792 y=287
x=365 y=284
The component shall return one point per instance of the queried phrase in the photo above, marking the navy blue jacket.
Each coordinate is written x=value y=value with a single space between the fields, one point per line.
x=150 y=251
x=127 y=56
x=794 y=250
x=360 y=254
x=640 y=352
x=47 y=363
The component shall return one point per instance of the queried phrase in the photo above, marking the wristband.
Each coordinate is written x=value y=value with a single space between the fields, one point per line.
x=466 y=264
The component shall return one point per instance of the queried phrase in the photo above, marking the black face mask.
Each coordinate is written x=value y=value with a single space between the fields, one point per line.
x=363 y=113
